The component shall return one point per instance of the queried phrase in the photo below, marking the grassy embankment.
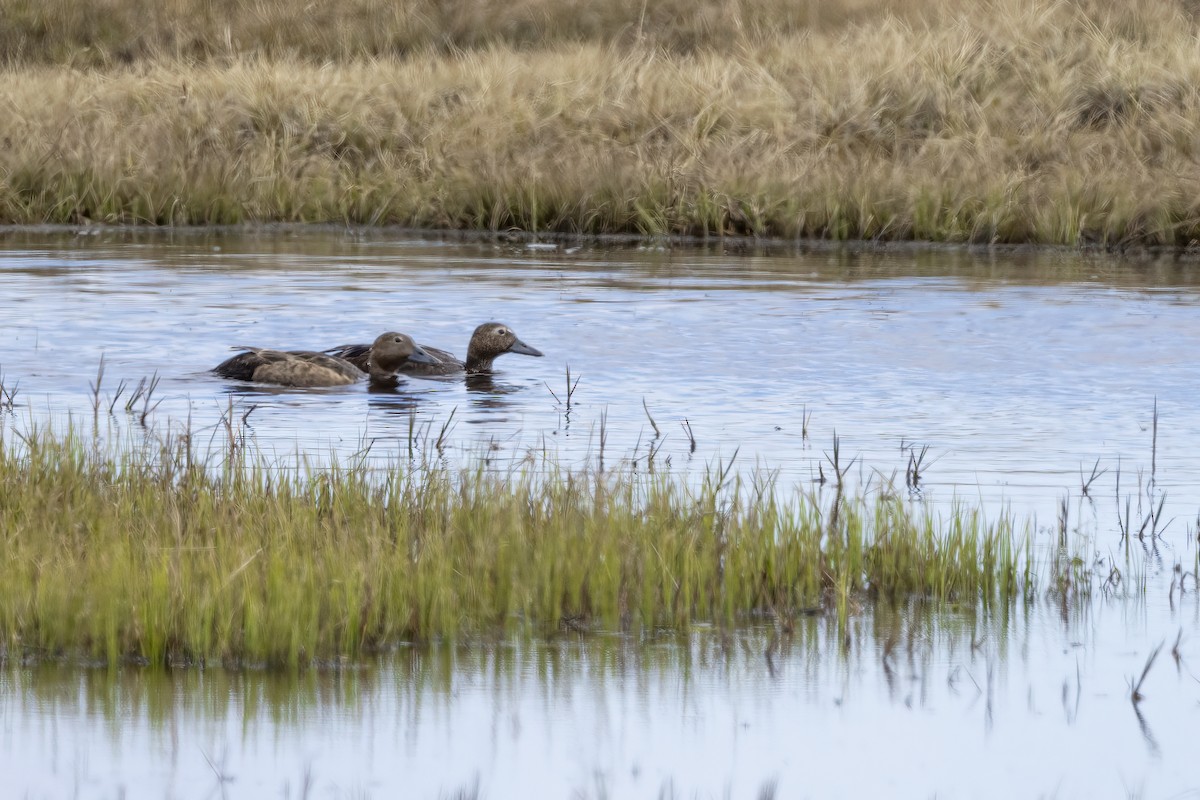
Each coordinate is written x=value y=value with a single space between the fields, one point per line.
x=929 y=119
x=133 y=551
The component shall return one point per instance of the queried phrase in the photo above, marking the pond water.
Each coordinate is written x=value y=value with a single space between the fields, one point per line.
x=1021 y=373
x=1016 y=371
x=895 y=708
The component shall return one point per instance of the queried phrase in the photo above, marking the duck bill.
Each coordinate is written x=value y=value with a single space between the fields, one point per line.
x=520 y=347
x=419 y=356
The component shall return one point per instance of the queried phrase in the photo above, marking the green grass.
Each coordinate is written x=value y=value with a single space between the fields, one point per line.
x=140 y=551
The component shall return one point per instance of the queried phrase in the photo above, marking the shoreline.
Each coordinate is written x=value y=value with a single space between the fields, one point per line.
x=728 y=245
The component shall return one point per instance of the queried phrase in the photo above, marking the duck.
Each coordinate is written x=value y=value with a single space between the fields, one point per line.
x=381 y=361
x=489 y=341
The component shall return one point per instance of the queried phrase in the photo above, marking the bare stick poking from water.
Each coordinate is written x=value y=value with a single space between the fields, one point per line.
x=1086 y=483
x=1135 y=689
x=603 y=435
x=8 y=394
x=95 y=387
x=440 y=444
x=146 y=407
x=1063 y=520
x=235 y=435
x=652 y=451
x=835 y=462
x=653 y=424
x=687 y=428
x=571 y=386
x=1154 y=443
x=1122 y=522
x=116 y=398
x=412 y=430
x=570 y=390
x=143 y=392
x=805 y=418
x=219 y=771
x=1153 y=515
x=916 y=461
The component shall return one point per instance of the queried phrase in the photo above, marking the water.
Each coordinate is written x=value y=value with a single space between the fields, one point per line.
x=1017 y=371
x=1031 y=708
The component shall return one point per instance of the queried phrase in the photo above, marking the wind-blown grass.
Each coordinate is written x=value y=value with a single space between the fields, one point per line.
x=1066 y=123
x=117 y=32
x=125 y=551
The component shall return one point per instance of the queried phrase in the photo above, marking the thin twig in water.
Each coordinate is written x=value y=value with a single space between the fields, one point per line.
x=1135 y=694
x=446 y=427
x=222 y=778
x=1088 y=481
x=912 y=473
x=412 y=425
x=1063 y=521
x=571 y=386
x=691 y=437
x=8 y=394
x=1154 y=443
x=116 y=398
x=1122 y=523
x=603 y=435
x=835 y=462
x=96 y=390
x=653 y=424
x=146 y=397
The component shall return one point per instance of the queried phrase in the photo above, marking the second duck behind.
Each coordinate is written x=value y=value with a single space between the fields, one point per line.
x=489 y=341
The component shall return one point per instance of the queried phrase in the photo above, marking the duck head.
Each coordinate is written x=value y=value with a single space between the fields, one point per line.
x=392 y=350
x=492 y=339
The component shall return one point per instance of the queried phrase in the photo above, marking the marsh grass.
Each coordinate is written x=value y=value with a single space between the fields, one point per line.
x=1068 y=123
x=142 y=550
x=119 y=32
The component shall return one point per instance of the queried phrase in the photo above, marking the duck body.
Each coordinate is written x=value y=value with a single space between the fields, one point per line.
x=489 y=341
x=306 y=368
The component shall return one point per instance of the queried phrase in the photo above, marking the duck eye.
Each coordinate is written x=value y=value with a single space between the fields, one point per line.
x=502 y=332
x=396 y=340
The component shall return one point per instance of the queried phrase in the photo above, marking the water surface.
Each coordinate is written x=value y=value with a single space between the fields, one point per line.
x=1015 y=371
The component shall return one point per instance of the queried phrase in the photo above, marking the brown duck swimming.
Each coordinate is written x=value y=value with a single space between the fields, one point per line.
x=381 y=361
x=489 y=341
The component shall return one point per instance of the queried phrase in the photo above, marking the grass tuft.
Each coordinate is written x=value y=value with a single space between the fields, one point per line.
x=132 y=550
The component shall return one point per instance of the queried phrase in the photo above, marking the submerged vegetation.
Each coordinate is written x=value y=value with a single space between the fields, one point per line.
x=148 y=552
x=1073 y=122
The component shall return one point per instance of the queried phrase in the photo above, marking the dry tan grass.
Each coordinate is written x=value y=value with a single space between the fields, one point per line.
x=1003 y=121
x=107 y=32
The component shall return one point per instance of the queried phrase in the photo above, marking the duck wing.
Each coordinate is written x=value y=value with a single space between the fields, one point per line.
x=356 y=354
x=241 y=366
x=447 y=364
x=288 y=368
x=360 y=354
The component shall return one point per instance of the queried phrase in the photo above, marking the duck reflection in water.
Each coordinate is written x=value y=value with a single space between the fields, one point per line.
x=487 y=393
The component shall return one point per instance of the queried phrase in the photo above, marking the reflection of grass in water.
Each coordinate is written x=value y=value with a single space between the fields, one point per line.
x=1069 y=122
x=121 y=550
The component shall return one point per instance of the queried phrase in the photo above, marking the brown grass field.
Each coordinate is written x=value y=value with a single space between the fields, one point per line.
x=1071 y=122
